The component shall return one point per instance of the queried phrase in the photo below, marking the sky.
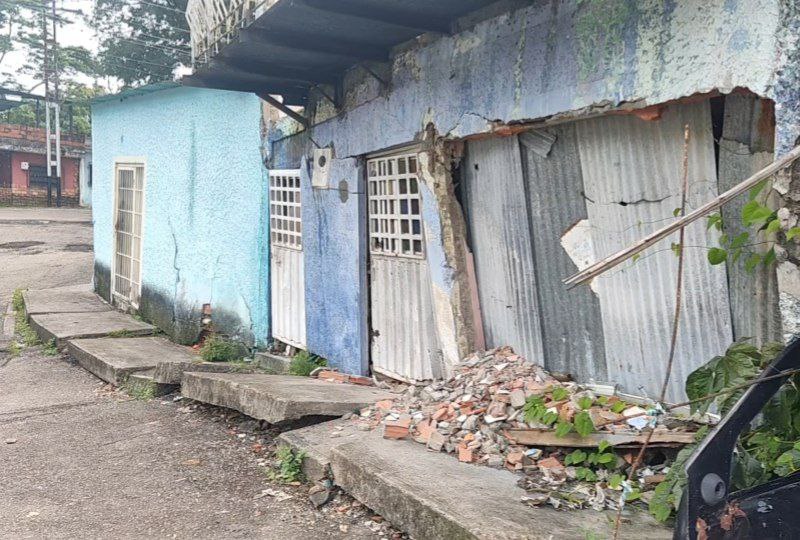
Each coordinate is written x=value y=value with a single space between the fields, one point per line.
x=77 y=34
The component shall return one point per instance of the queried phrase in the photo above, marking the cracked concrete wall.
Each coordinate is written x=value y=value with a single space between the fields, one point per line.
x=205 y=232
x=550 y=61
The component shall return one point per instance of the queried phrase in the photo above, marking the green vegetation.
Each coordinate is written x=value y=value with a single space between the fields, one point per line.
x=304 y=363
x=770 y=448
x=217 y=348
x=21 y=326
x=289 y=466
x=141 y=390
x=50 y=348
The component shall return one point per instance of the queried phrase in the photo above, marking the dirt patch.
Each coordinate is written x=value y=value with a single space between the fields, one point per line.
x=86 y=248
x=20 y=245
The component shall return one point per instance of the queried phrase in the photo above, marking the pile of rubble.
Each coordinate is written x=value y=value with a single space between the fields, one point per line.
x=500 y=410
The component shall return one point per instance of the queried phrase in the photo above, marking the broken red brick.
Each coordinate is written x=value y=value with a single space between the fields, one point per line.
x=514 y=458
x=439 y=414
x=385 y=404
x=550 y=463
x=396 y=429
x=424 y=430
x=465 y=454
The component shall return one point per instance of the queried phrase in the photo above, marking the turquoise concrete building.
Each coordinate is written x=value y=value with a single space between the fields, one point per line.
x=180 y=198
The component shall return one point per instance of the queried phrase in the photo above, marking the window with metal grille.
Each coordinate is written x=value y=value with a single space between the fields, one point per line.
x=128 y=231
x=285 y=222
x=395 y=219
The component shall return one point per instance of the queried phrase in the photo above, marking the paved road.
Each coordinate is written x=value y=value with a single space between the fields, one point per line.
x=88 y=462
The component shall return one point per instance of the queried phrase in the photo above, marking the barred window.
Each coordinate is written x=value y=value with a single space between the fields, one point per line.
x=286 y=228
x=395 y=215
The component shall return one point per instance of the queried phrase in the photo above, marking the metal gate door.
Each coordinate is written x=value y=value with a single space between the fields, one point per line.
x=286 y=258
x=404 y=343
x=129 y=180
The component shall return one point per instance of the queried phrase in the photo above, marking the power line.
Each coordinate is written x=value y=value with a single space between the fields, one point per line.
x=162 y=7
x=155 y=46
x=134 y=60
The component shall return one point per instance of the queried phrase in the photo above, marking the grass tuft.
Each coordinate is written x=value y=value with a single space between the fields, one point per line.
x=217 y=348
x=304 y=363
x=288 y=467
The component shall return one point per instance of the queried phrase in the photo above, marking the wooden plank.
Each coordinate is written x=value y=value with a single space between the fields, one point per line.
x=547 y=437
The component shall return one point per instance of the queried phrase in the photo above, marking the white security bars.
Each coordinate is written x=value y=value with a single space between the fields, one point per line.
x=395 y=222
x=286 y=227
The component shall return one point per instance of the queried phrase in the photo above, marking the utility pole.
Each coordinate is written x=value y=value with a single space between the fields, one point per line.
x=52 y=102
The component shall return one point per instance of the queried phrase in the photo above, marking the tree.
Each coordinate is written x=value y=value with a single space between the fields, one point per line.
x=26 y=24
x=75 y=111
x=142 y=41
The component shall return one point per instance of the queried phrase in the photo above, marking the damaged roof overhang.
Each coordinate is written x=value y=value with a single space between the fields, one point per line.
x=297 y=44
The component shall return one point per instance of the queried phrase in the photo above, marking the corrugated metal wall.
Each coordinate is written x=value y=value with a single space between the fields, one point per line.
x=497 y=217
x=746 y=147
x=572 y=329
x=624 y=174
x=288 y=296
x=632 y=176
x=404 y=343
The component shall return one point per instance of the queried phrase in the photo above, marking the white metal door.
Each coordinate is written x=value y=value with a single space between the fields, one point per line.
x=404 y=343
x=129 y=181
x=286 y=258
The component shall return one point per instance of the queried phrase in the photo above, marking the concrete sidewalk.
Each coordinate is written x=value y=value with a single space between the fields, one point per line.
x=87 y=462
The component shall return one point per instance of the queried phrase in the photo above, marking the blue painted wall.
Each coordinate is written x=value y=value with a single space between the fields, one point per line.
x=334 y=246
x=205 y=229
x=552 y=58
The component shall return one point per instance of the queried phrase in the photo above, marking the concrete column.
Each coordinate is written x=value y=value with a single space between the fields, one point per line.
x=452 y=295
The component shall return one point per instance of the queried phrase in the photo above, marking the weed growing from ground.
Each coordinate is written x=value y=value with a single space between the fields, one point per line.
x=21 y=326
x=289 y=466
x=14 y=349
x=217 y=348
x=50 y=348
x=143 y=391
x=304 y=363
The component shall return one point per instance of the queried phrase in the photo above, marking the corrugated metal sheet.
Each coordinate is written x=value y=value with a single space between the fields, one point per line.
x=288 y=296
x=746 y=147
x=404 y=343
x=499 y=228
x=572 y=330
x=632 y=175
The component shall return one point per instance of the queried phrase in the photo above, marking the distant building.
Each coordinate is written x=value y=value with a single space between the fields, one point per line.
x=179 y=203
x=23 y=170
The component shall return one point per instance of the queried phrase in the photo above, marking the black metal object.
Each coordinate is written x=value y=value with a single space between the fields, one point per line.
x=38 y=177
x=768 y=511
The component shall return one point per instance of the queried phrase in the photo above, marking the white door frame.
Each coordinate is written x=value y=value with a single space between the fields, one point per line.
x=287 y=259
x=403 y=341
x=127 y=162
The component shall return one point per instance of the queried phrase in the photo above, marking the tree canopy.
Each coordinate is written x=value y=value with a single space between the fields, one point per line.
x=141 y=41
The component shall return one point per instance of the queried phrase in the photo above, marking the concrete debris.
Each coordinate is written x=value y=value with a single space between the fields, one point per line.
x=501 y=411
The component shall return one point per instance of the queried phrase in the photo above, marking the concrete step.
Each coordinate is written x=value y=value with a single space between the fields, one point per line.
x=278 y=398
x=115 y=359
x=317 y=442
x=142 y=384
x=432 y=495
x=71 y=299
x=172 y=372
x=66 y=326
x=273 y=362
